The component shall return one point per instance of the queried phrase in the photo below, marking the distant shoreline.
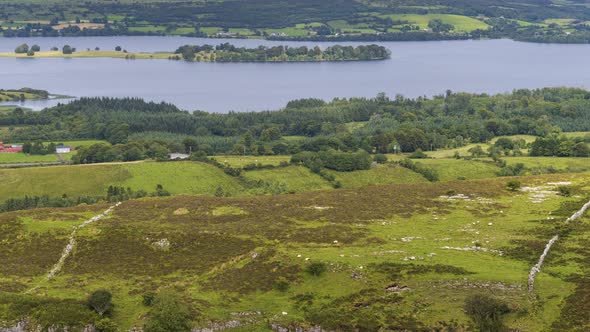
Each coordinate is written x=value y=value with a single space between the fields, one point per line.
x=208 y=57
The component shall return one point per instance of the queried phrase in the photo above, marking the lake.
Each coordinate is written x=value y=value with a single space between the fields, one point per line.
x=415 y=69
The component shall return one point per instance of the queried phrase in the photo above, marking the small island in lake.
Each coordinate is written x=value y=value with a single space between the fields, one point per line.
x=230 y=53
x=22 y=94
x=221 y=53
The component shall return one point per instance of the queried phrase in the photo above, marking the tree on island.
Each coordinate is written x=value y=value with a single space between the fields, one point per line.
x=67 y=49
x=118 y=48
x=35 y=48
x=21 y=49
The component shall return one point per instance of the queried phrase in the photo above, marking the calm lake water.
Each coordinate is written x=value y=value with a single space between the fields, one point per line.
x=415 y=69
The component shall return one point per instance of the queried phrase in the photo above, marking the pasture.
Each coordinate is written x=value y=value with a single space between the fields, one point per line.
x=415 y=251
x=461 y=23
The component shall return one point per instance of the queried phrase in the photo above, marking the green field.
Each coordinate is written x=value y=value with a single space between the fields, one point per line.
x=461 y=23
x=89 y=54
x=26 y=158
x=558 y=163
x=15 y=95
x=458 y=169
x=226 y=255
x=294 y=178
x=93 y=180
x=380 y=174
x=241 y=161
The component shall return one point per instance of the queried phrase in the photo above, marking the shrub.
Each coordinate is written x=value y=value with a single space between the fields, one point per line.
x=486 y=312
x=148 y=299
x=418 y=154
x=67 y=49
x=282 y=285
x=565 y=191
x=101 y=301
x=513 y=185
x=429 y=173
x=106 y=325
x=169 y=313
x=24 y=48
x=219 y=192
x=512 y=170
x=316 y=269
x=380 y=158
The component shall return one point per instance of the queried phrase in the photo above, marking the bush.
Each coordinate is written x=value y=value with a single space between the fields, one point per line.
x=148 y=299
x=21 y=49
x=101 y=301
x=316 y=269
x=429 y=173
x=67 y=49
x=106 y=325
x=565 y=191
x=282 y=285
x=418 y=154
x=513 y=185
x=486 y=312
x=380 y=158
x=169 y=313
x=512 y=170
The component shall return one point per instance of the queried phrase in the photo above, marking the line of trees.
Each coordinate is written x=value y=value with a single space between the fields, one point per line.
x=139 y=129
x=560 y=146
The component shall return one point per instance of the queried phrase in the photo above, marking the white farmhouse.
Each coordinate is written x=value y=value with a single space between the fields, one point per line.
x=63 y=149
x=177 y=156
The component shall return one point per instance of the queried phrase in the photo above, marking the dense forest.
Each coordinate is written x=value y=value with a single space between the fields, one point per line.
x=368 y=20
x=384 y=125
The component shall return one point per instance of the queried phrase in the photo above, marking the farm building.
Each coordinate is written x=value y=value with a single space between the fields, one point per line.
x=177 y=156
x=10 y=148
x=63 y=149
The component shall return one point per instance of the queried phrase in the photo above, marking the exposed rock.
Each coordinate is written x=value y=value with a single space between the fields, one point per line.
x=395 y=288
x=162 y=243
x=180 y=212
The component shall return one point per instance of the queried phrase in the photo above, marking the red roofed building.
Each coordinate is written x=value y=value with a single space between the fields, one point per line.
x=10 y=148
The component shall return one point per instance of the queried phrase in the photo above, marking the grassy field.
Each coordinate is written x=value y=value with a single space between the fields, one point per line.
x=241 y=161
x=576 y=134
x=93 y=180
x=407 y=251
x=558 y=163
x=13 y=95
x=89 y=54
x=381 y=174
x=458 y=169
x=26 y=158
x=461 y=23
x=294 y=178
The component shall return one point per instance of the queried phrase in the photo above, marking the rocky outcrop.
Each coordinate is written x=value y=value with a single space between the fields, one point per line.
x=26 y=326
